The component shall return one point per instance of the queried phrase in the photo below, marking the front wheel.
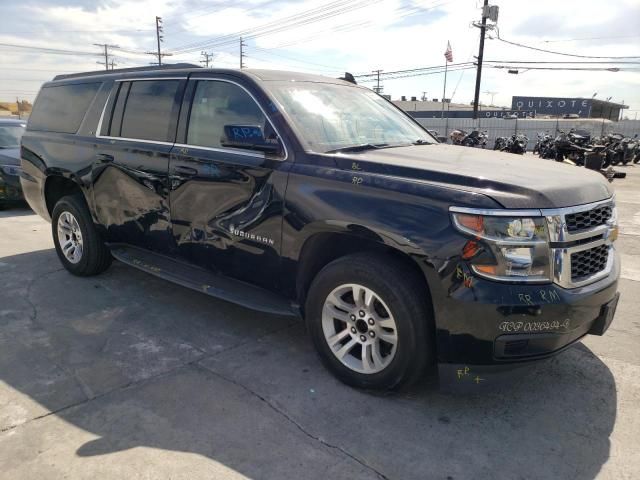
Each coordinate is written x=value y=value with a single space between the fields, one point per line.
x=78 y=243
x=370 y=322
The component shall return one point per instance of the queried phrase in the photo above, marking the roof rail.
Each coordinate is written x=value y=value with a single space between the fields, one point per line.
x=171 y=66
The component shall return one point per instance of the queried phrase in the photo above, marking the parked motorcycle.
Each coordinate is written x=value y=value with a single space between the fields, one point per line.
x=516 y=143
x=564 y=147
x=474 y=139
x=500 y=143
x=544 y=145
x=629 y=149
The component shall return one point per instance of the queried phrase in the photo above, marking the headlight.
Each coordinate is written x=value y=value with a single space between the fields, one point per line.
x=506 y=248
x=11 y=170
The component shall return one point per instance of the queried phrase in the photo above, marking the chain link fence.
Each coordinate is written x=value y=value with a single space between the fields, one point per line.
x=499 y=127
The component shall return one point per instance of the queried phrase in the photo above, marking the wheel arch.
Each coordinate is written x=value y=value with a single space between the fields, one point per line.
x=321 y=248
x=58 y=186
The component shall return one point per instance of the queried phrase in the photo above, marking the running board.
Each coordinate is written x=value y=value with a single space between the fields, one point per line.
x=204 y=281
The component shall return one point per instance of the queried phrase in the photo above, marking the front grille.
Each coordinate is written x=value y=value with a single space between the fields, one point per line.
x=590 y=218
x=588 y=262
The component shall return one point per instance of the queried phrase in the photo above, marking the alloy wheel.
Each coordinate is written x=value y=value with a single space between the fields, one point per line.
x=359 y=328
x=70 y=237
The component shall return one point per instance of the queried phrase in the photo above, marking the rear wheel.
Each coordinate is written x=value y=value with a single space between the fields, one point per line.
x=370 y=322
x=78 y=243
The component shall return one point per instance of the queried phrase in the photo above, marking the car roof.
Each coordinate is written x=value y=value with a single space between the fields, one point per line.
x=259 y=75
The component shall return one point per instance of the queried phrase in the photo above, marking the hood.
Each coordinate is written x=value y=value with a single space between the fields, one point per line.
x=9 y=156
x=514 y=181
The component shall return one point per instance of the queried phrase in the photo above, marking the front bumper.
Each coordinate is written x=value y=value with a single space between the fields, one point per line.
x=485 y=323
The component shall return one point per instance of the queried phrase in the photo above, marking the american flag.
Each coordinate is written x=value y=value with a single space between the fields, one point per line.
x=449 y=53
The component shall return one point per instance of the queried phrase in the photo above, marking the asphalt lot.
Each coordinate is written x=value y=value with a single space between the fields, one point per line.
x=127 y=376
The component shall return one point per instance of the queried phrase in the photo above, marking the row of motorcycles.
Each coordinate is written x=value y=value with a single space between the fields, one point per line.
x=576 y=146
x=514 y=144
x=598 y=153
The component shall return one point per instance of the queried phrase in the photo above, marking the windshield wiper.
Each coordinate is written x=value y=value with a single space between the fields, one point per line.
x=359 y=148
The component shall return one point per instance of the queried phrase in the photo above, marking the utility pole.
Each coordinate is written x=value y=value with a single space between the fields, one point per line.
x=378 y=88
x=242 y=55
x=113 y=64
x=106 y=48
x=424 y=96
x=208 y=57
x=159 y=37
x=483 y=29
x=18 y=107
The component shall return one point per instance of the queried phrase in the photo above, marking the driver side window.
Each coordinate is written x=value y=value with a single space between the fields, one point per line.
x=216 y=104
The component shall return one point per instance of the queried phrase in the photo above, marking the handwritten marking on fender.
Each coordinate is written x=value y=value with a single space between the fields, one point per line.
x=541 y=296
x=462 y=373
x=467 y=279
x=554 y=325
x=357 y=180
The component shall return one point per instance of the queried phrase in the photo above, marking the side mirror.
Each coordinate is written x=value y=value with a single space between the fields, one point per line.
x=249 y=137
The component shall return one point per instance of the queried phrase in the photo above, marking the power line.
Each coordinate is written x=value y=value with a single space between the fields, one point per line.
x=354 y=25
x=49 y=30
x=497 y=37
x=567 y=62
x=267 y=51
x=435 y=71
x=53 y=51
x=589 y=38
x=413 y=70
x=260 y=27
x=295 y=21
x=583 y=69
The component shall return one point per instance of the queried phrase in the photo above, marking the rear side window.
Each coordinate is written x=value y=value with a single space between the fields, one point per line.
x=148 y=110
x=61 y=108
x=216 y=104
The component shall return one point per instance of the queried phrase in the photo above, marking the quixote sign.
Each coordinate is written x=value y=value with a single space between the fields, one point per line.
x=553 y=105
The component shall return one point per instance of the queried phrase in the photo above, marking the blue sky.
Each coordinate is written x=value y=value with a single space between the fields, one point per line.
x=366 y=35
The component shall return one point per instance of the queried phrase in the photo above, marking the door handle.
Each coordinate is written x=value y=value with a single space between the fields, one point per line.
x=104 y=158
x=185 y=171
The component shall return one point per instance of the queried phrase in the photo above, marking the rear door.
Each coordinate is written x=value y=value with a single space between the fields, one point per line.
x=227 y=203
x=130 y=174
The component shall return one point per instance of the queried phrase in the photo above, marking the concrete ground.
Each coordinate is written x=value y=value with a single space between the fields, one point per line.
x=127 y=376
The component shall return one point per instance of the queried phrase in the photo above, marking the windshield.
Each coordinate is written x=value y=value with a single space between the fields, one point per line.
x=10 y=135
x=328 y=117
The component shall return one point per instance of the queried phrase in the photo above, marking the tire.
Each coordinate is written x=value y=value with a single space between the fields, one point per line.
x=87 y=254
x=400 y=306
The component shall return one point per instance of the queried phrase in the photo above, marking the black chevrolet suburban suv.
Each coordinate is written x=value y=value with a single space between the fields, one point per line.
x=295 y=194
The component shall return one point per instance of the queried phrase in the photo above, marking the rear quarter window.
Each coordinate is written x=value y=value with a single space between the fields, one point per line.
x=149 y=109
x=61 y=108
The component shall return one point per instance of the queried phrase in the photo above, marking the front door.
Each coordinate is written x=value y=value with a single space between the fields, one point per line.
x=130 y=174
x=227 y=202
